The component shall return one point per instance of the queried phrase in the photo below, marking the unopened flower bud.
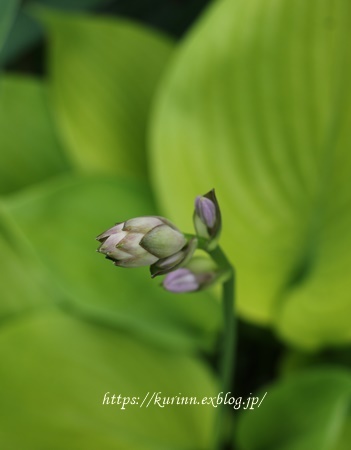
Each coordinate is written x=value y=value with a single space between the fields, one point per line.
x=173 y=262
x=207 y=218
x=141 y=241
x=181 y=280
x=199 y=274
x=206 y=210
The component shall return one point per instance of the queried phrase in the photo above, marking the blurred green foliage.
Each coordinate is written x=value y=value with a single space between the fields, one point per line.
x=58 y=370
x=253 y=101
x=96 y=67
x=257 y=105
x=26 y=134
x=306 y=411
x=8 y=10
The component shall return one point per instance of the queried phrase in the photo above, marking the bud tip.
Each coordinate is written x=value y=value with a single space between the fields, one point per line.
x=180 y=281
x=206 y=210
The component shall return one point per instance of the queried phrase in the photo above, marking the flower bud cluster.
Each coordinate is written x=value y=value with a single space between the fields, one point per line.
x=141 y=241
x=156 y=242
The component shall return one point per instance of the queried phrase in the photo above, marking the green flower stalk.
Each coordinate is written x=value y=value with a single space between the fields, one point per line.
x=156 y=242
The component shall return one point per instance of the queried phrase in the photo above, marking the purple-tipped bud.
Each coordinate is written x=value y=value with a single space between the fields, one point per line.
x=206 y=210
x=141 y=241
x=207 y=218
x=180 y=281
x=198 y=274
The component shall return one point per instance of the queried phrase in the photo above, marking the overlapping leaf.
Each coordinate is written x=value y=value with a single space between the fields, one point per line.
x=30 y=150
x=305 y=411
x=55 y=371
x=103 y=76
x=257 y=105
x=23 y=287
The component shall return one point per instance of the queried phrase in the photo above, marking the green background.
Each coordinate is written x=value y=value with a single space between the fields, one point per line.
x=111 y=110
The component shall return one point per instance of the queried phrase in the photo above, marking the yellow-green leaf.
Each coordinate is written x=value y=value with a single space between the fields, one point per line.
x=257 y=105
x=23 y=286
x=103 y=74
x=55 y=371
x=29 y=148
x=306 y=411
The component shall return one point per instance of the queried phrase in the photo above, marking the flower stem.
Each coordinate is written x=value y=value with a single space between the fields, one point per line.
x=228 y=341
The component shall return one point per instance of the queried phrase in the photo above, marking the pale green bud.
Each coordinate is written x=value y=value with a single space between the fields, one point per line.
x=141 y=241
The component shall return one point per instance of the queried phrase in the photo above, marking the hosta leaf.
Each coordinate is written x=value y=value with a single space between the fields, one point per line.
x=61 y=221
x=23 y=287
x=30 y=151
x=257 y=106
x=103 y=76
x=305 y=411
x=55 y=371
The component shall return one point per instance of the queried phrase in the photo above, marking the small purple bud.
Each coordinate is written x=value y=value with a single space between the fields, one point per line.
x=206 y=210
x=180 y=281
x=207 y=218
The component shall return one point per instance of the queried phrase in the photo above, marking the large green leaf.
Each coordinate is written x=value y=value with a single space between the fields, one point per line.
x=30 y=151
x=61 y=221
x=103 y=73
x=8 y=10
x=23 y=287
x=257 y=105
x=304 y=412
x=55 y=371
